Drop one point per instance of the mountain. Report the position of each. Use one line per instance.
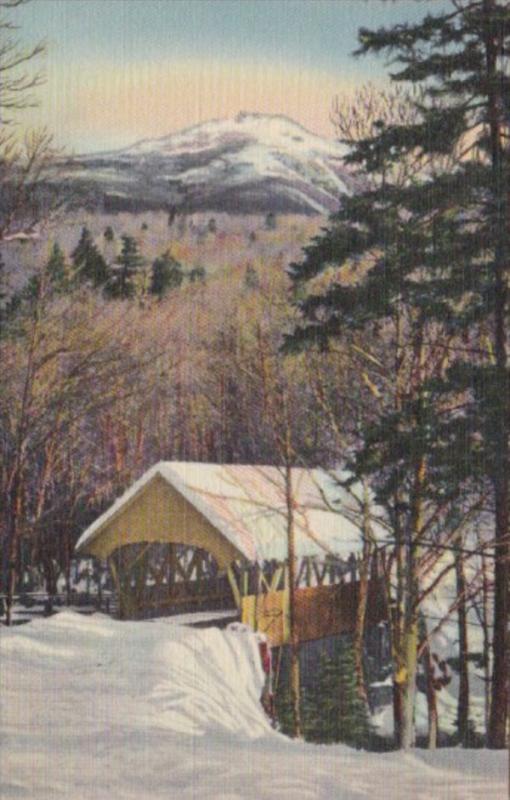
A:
(250, 164)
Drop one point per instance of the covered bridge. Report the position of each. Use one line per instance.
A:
(192, 535)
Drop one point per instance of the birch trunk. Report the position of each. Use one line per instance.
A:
(463, 698)
(295, 680)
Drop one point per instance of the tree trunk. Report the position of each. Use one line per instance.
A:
(364, 577)
(463, 698)
(410, 653)
(295, 680)
(499, 699)
(500, 414)
(486, 641)
(398, 711)
(433, 719)
(67, 564)
(410, 641)
(11, 547)
(397, 635)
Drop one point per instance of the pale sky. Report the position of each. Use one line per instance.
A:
(121, 70)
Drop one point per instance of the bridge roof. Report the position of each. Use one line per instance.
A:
(231, 510)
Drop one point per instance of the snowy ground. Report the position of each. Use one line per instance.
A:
(95, 708)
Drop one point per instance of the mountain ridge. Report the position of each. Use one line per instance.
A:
(251, 163)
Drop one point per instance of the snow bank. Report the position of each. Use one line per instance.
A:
(95, 708)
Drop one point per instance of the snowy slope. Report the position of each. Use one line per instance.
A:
(95, 708)
(252, 163)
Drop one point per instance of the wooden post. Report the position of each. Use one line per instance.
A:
(285, 605)
(116, 583)
(234, 586)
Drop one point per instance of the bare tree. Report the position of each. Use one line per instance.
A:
(19, 75)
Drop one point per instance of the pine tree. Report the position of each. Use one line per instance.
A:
(251, 278)
(58, 270)
(90, 266)
(442, 252)
(4, 294)
(284, 707)
(54, 277)
(270, 221)
(464, 57)
(166, 274)
(388, 313)
(108, 234)
(197, 275)
(122, 282)
(333, 709)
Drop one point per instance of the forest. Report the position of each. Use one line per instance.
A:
(373, 340)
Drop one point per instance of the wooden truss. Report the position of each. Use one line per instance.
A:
(149, 577)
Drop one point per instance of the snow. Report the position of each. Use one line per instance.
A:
(247, 505)
(271, 130)
(251, 151)
(96, 708)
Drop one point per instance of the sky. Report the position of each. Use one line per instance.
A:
(121, 70)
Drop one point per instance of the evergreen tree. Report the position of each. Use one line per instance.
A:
(462, 57)
(90, 266)
(251, 278)
(108, 234)
(166, 274)
(333, 709)
(436, 248)
(57, 269)
(270, 221)
(122, 283)
(197, 275)
(284, 711)
(54, 277)
(4, 294)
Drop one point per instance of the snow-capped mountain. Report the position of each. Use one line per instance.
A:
(252, 163)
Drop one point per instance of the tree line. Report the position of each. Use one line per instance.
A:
(419, 291)
(382, 350)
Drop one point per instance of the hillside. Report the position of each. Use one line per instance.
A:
(254, 163)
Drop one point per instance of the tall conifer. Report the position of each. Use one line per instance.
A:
(435, 247)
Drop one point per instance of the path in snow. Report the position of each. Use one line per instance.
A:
(95, 708)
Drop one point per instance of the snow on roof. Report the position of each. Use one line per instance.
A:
(247, 505)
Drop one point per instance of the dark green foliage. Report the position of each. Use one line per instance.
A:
(166, 274)
(54, 278)
(197, 275)
(122, 282)
(57, 269)
(427, 245)
(4, 302)
(270, 221)
(440, 242)
(332, 708)
(171, 216)
(89, 264)
(251, 278)
(283, 707)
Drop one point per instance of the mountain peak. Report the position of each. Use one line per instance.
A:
(251, 163)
